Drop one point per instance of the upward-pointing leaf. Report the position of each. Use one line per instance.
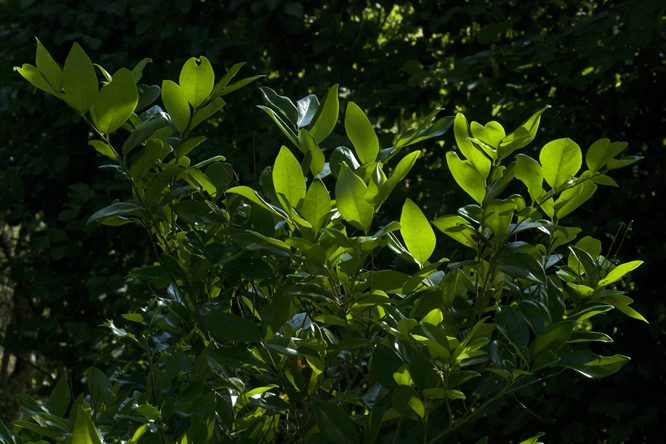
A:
(197, 80)
(176, 105)
(84, 429)
(349, 191)
(79, 80)
(560, 161)
(417, 232)
(467, 176)
(467, 148)
(326, 117)
(49, 69)
(288, 178)
(360, 132)
(317, 203)
(528, 171)
(115, 102)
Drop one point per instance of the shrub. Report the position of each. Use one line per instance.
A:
(287, 313)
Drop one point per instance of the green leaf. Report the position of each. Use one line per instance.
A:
(474, 156)
(115, 102)
(125, 209)
(512, 325)
(79, 80)
(361, 133)
(308, 144)
(197, 80)
(335, 423)
(286, 129)
(573, 198)
(521, 265)
(601, 151)
(252, 195)
(176, 105)
(457, 228)
(231, 327)
(385, 362)
(60, 397)
(99, 386)
(491, 134)
(423, 131)
(560, 161)
(528, 171)
(619, 271)
(36, 78)
(220, 175)
(306, 107)
(407, 402)
(467, 176)
(592, 365)
(84, 429)
(288, 178)
(553, 337)
(204, 113)
(326, 117)
(137, 71)
(49, 69)
(317, 204)
(282, 104)
(145, 130)
(349, 192)
(416, 231)
(522, 136)
(103, 149)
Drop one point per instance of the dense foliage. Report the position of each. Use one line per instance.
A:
(597, 64)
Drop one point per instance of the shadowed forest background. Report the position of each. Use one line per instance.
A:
(601, 65)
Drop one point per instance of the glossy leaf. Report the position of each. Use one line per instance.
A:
(592, 365)
(361, 133)
(425, 131)
(115, 102)
(467, 176)
(326, 117)
(288, 178)
(512, 325)
(79, 80)
(560, 161)
(601, 151)
(475, 158)
(619, 271)
(573, 198)
(528, 171)
(231, 327)
(281, 104)
(349, 192)
(416, 231)
(317, 203)
(176, 105)
(407, 402)
(522, 136)
(84, 429)
(456, 228)
(522, 265)
(197, 80)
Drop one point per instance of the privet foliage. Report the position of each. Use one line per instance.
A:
(276, 317)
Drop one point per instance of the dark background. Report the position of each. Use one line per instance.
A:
(599, 64)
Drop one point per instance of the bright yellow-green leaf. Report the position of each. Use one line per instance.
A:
(326, 116)
(479, 160)
(176, 105)
(115, 102)
(361, 133)
(560, 161)
(197, 80)
(416, 231)
(528, 171)
(79, 80)
(454, 226)
(349, 192)
(619, 271)
(317, 203)
(49, 69)
(84, 429)
(288, 178)
(467, 176)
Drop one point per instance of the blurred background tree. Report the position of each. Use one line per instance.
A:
(599, 64)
